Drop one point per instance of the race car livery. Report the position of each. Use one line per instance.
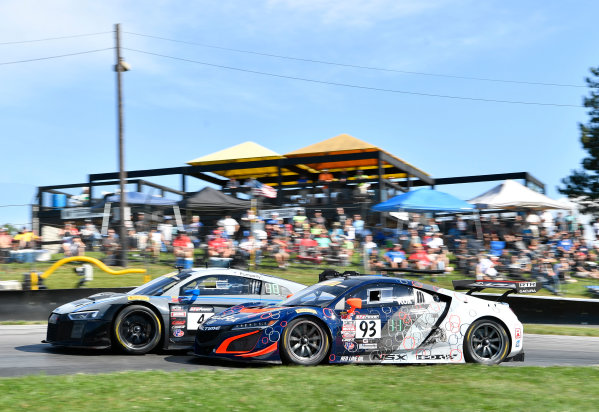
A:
(164, 312)
(369, 319)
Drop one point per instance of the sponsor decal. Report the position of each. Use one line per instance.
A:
(528, 290)
(362, 317)
(395, 325)
(178, 333)
(518, 333)
(356, 358)
(177, 327)
(348, 325)
(518, 343)
(348, 335)
(389, 356)
(350, 345)
(202, 327)
(368, 346)
(527, 284)
(306, 310)
(450, 356)
(178, 322)
(405, 301)
(176, 307)
(138, 297)
(201, 309)
(179, 314)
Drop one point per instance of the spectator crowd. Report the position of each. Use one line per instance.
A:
(532, 245)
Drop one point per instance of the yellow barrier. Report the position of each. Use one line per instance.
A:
(96, 262)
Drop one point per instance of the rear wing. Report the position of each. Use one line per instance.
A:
(330, 273)
(512, 286)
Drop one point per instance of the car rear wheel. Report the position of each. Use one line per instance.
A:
(137, 330)
(305, 342)
(486, 342)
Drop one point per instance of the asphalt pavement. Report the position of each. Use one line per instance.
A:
(22, 353)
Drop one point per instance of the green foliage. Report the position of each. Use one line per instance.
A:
(321, 388)
(584, 184)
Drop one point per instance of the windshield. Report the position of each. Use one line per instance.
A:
(160, 285)
(320, 294)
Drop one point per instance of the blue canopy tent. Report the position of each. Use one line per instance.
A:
(424, 200)
(427, 201)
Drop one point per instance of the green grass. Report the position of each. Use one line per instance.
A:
(562, 330)
(307, 274)
(324, 388)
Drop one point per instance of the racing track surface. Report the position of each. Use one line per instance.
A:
(22, 353)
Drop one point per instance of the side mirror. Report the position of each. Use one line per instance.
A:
(191, 292)
(354, 303)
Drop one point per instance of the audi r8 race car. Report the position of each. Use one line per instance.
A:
(164, 312)
(371, 319)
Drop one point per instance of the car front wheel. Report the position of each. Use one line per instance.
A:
(137, 330)
(305, 342)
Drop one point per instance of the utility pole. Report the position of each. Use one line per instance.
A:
(120, 67)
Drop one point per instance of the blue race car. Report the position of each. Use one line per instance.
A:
(371, 319)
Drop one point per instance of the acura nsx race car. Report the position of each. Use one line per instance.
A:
(371, 319)
(164, 312)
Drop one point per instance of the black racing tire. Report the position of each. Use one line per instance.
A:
(136, 330)
(305, 342)
(486, 342)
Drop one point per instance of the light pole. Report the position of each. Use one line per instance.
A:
(121, 66)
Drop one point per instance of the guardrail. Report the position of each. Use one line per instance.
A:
(36, 305)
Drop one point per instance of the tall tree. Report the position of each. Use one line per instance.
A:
(583, 185)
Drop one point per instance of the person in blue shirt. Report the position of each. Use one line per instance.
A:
(396, 257)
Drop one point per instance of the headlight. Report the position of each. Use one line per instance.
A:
(90, 314)
(53, 318)
(251, 325)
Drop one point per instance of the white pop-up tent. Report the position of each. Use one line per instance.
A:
(513, 195)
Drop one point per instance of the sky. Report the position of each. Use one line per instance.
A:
(58, 116)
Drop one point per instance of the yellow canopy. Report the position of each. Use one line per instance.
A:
(244, 152)
(343, 144)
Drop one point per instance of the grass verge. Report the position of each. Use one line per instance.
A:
(356, 388)
(562, 330)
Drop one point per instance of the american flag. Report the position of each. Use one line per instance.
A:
(260, 189)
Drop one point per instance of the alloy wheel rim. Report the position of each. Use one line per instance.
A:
(305, 340)
(487, 342)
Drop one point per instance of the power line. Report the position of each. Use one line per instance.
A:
(53, 38)
(55, 57)
(355, 86)
(355, 66)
